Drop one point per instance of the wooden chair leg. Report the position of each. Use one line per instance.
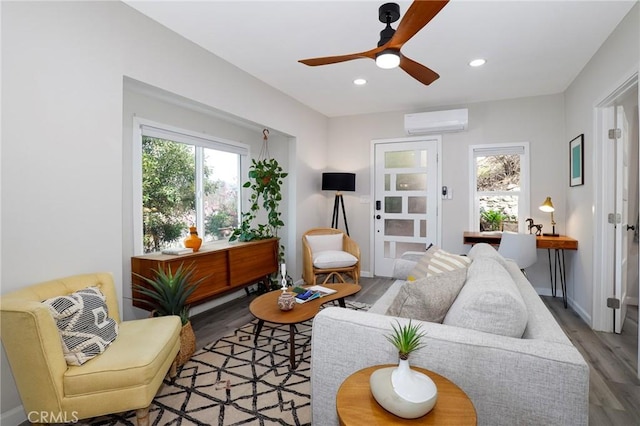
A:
(337, 274)
(173, 370)
(142, 416)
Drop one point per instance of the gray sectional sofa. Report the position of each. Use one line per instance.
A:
(538, 378)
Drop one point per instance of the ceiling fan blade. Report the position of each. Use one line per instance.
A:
(417, 16)
(313, 62)
(418, 71)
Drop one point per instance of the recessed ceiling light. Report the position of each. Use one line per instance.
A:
(477, 62)
(359, 81)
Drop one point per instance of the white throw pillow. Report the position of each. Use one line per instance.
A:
(83, 323)
(436, 261)
(320, 243)
(330, 259)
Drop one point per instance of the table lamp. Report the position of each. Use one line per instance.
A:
(339, 182)
(547, 207)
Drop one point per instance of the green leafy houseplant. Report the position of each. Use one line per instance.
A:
(169, 291)
(406, 338)
(265, 181)
(493, 219)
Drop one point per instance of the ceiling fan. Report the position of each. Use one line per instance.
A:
(387, 55)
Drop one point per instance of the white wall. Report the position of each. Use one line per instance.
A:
(615, 61)
(538, 120)
(63, 65)
(142, 101)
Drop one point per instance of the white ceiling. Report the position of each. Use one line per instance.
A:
(531, 47)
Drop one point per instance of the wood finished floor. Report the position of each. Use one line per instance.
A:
(614, 391)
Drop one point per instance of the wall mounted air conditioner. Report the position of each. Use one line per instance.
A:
(454, 120)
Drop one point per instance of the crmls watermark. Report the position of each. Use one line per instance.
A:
(52, 417)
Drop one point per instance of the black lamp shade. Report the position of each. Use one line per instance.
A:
(338, 181)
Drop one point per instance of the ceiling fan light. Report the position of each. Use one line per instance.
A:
(388, 59)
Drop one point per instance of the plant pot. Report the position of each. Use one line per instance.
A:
(402, 391)
(187, 344)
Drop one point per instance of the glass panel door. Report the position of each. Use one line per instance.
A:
(406, 200)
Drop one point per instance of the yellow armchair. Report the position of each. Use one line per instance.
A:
(330, 252)
(125, 377)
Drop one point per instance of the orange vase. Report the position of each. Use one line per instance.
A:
(193, 241)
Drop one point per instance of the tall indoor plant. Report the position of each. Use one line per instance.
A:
(266, 177)
(167, 293)
(265, 182)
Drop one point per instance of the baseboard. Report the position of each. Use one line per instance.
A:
(15, 416)
(546, 291)
(581, 312)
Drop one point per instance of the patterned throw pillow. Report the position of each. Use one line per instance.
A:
(84, 324)
(437, 261)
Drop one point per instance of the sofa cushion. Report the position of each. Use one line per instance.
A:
(436, 261)
(486, 250)
(329, 259)
(142, 347)
(429, 298)
(489, 301)
(84, 324)
(320, 243)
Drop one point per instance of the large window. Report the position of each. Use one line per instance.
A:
(186, 179)
(499, 187)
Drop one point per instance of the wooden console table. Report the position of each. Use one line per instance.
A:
(226, 266)
(558, 244)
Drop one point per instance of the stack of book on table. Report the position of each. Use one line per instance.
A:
(305, 294)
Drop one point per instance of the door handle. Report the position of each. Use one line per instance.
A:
(631, 228)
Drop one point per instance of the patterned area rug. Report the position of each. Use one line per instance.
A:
(234, 382)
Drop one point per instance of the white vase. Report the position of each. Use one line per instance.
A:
(402, 391)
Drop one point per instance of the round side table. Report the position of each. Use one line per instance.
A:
(356, 406)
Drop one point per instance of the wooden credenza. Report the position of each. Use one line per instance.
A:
(226, 266)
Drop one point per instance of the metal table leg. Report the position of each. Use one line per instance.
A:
(292, 346)
(558, 271)
(553, 281)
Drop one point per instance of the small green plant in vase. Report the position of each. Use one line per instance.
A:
(167, 293)
(400, 390)
(406, 338)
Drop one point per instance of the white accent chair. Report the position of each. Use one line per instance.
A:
(330, 252)
(521, 248)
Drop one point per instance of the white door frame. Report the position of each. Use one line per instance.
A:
(372, 153)
(602, 318)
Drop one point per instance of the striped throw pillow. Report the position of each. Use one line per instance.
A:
(436, 261)
(83, 323)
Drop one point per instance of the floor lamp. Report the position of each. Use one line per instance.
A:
(339, 182)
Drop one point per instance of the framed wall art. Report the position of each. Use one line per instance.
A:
(576, 161)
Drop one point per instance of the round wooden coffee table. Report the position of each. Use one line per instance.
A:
(265, 308)
(356, 406)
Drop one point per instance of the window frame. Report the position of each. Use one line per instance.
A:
(151, 128)
(524, 204)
